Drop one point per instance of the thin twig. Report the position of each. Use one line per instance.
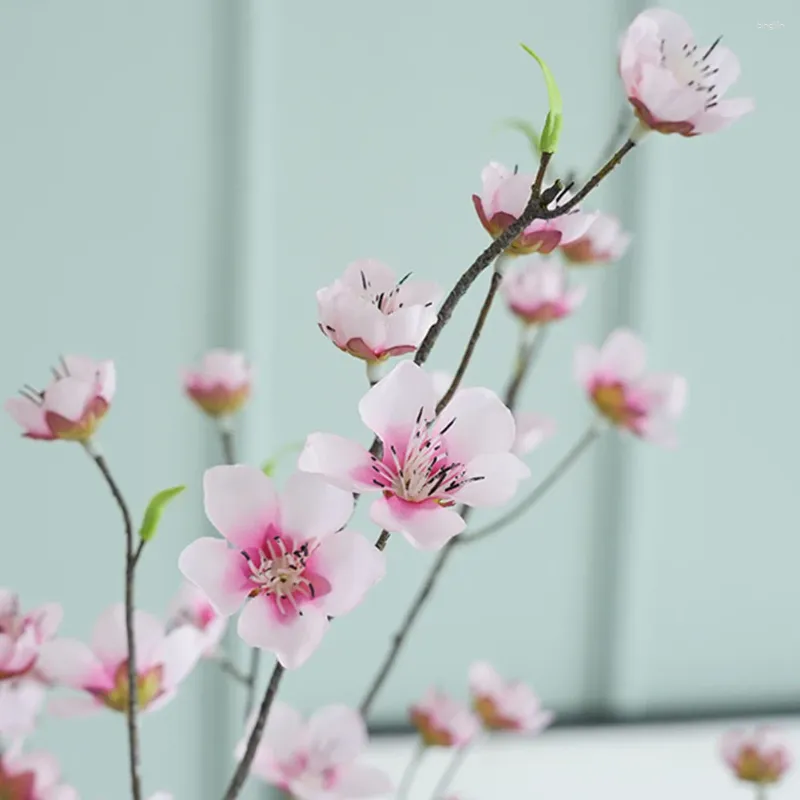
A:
(228, 667)
(526, 357)
(130, 567)
(243, 767)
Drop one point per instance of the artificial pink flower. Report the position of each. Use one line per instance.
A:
(605, 241)
(289, 556)
(22, 635)
(32, 776)
(614, 377)
(190, 606)
(673, 85)
(317, 759)
(757, 757)
(505, 195)
(538, 292)
(222, 384)
(163, 661)
(371, 315)
(443, 721)
(505, 705)
(21, 701)
(428, 464)
(73, 404)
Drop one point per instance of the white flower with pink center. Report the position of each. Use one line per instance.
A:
(289, 557)
(222, 384)
(373, 316)
(163, 660)
(32, 776)
(190, 606)
(605, 241)
(317, 759)
(673, 84)
(538, 292)
(614, 377)
(22, 635)
(429, 464)
(442, 721)
(72, 405)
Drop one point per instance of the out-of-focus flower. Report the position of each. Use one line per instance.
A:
(614, 378)
(462, 457)
(538, 292)
(756, 757)
(443, 721)
(190, 606)
(222, 384)
(532, 430)
(373, 316)
(674, 85)
(21, 701)
(505, 705)
(317, 759)
(163, 661)
(290, 557)
(502, 200)
(605, 241)
(22, 635)
(73, 404)
(32, 776)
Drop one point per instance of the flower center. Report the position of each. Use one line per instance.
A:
(692, 69)
(16, 787)
(148, 687)
(279, 573)
(611, 400)
(386, 302)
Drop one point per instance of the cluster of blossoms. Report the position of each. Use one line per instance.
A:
(285, 559)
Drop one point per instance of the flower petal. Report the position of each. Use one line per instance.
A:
(369, 275)
(178, 654)
(217, 571)
(342, 462)
(426, 526)
(29, 416)
(285, 734)
(74, 706)
(501, 474)
(532, 430)
(71, 663)
(358, 781)
(109, 637)
(336, 735)
(68, 397)
(623, 356)
(312, 508)
(586, 363)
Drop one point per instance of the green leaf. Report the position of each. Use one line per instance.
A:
(552, 124)
(527, 130)
(155, 508)
(269, 467)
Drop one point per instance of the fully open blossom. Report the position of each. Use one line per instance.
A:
(603, 242)
(505, 705)
(21, 701)
(72, 405)
(614, 378)
(22, 635)
(502, 200)
(190, 606)
(538, 292)
(442, 721)
(290, 557)
(222, 384)
(756, 757)
(371, 315)
(101, 671)
(32, 776)
(674, 85)
(428, 465)
(317, 759)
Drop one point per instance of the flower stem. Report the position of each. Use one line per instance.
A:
(456, 762)
(560, 469)
(228, 667)
(527, 353)
(243, 767)
(410, 771)
(130, 567)
(761, 791)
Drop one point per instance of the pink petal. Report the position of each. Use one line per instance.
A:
(43, 765)
(420, 293)
(484, 679)
(292, 639)
(312, 508)
(501, 473)
(217, 571)
(665, 98)
(426, 526)
(344, 463)
(513, 194)
(352, 566)
(71, 663)
(227, 368)
(574, 225)
(408, 326)
(378, 276)
(68, 398)
(60, 793)
(48, 619)
(241, 503)
(482, 425)
(586, 364)
(74, 706)
(532, 430)
(337, 735)
(109, 638)
(623, 356)
(178, 654)
(671, 26)
(285, 735)
(720, 117)
(358, 781)
(29, 416)
(351, 316)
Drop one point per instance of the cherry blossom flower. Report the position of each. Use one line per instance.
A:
(505, 705)
(428, 464)
(190, 606)
(222, 384)
(615, 380)
(443, 721)
(538, 292)
(21, 701)
(674, 85)
(758, 757)
(32, 776)
(502, 201)
(603, 242)
(72, 405)
(371, 315)
(317, 759)
(22, 635)
(101, 671)
(290, 557)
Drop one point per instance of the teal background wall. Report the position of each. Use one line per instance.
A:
(186, 174)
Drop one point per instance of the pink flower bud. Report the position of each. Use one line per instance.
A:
(442, 721)
(603, 242)
(22, 635)
(222, 384)
(538, 293)
(757, 757)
